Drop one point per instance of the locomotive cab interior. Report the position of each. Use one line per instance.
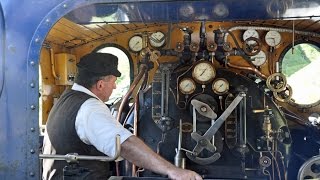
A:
(229, 92)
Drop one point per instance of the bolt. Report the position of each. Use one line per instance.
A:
(32, 63)
(31, 174)
(65, 5)
(37, 40)
(33, 107)
(47, 20)
(203, 109)
(32, 151)
(258, 147)
(32, 129)
(32, 85)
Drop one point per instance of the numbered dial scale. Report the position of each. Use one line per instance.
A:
(135, 43)
(273, 38)
(187, 86)
(203, 72)
(220, 86)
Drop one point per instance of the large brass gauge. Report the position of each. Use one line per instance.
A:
(273, 38)
(187, 86)
(203, 72)
(157, 39)
(136, 43)
(220, 86)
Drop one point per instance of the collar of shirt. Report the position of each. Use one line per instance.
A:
(78, 87)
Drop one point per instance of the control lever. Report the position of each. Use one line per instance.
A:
(73, 157)
(203, 142)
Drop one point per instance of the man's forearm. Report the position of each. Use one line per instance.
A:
(135, 151)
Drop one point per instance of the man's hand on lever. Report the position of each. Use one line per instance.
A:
(138, 153)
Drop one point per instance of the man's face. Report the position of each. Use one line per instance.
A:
(108, 84)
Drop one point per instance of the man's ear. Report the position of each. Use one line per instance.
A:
(99, 84)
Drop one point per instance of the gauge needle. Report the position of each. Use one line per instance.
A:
(136, 44)
(203, 72)
(186, 85)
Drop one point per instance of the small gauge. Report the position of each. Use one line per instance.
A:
(203, 72)
(273, 38)
(250, 33)
(220, 86)
(157, 39)
(135, 43)
(259, 59)
(187, 86)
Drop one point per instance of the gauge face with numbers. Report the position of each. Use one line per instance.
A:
(203, 72)
(259, 59)
(187, 86)
(273, 38)
(135, 43)
(220, 86)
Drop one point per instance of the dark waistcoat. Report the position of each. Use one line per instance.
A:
(63, 136)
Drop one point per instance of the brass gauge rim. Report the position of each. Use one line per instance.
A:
(183, 90)
(195, 74)
(220, 92)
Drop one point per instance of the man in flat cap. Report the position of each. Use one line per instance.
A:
(81, 123)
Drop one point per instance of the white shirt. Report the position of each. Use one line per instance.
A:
(94, 125)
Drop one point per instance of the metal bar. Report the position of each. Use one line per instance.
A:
(75, 157)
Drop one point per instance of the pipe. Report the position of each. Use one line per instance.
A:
(252, 69)
(52, 64)
(143, 70)
(75, 157)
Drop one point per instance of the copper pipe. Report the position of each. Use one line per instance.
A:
(252, 69)
(125, 99)
(52, 64)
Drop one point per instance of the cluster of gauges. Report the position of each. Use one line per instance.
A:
(156, 40)
(272, 39)
(203, 72)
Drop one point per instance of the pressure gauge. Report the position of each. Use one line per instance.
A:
(135, 43)
(220, 86)
(203, 72)
(187, 86)
(157, 39)
(250, 33)
(259, 59)
(273, 38)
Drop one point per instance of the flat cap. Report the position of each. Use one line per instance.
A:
(100, 64)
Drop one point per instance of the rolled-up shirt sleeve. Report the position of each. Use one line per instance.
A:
(96, 126)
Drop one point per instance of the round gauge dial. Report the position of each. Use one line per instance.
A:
(259, 59)
(157, 39)
(273, 38)
(250, 33)
(220, 86)
(203, 72)
(135, 43)
(187, 86)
